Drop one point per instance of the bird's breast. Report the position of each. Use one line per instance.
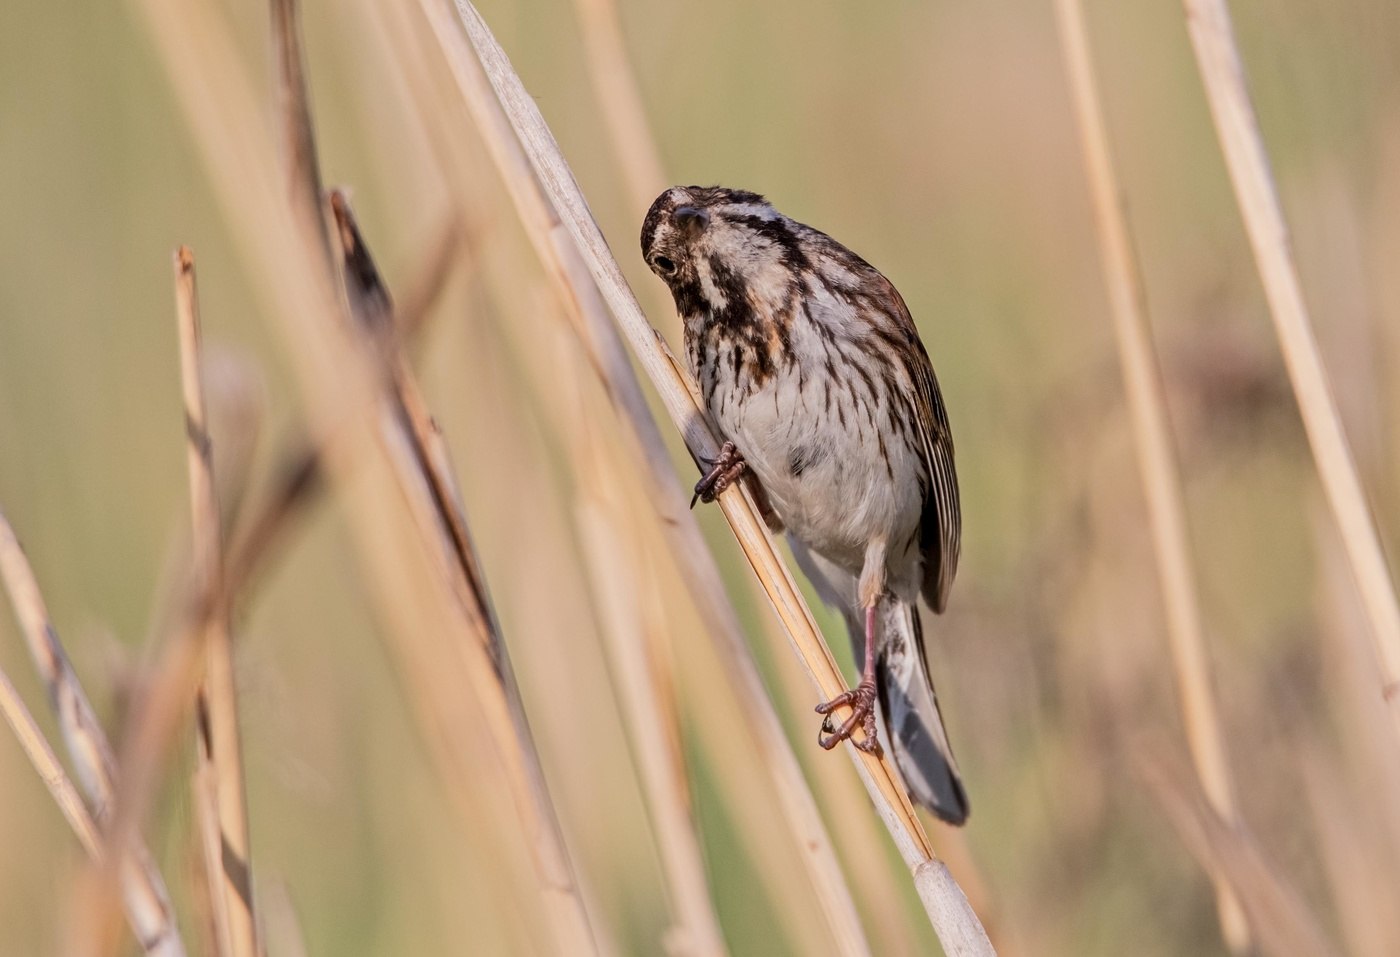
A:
(815, 443)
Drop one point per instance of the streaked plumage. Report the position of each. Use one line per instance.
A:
(810, 364)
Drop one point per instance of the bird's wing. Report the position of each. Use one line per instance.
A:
(940, 528)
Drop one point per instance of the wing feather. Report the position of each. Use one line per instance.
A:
(940, 527)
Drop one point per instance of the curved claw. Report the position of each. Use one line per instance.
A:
(861, 701)
(719, 474)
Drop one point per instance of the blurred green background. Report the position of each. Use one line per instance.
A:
(935, 139)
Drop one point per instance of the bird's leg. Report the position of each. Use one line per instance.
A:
(722, 473)
(860, 699)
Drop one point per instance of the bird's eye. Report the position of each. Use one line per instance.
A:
(664, 265)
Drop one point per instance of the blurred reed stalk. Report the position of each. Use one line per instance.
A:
(627, 600)
(372, 305)
(1277, 913)
(299, 472)
(1354, 789)
(615, 87)
(46, 763)
(284, 932)
(343, 386)
(443, 519)
(218, 750)
(563, 206)
(587, 313)
(1158, 469)
(144, 896)
(1222, 72)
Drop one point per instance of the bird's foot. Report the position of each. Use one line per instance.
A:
(861, 701)
(721, 474)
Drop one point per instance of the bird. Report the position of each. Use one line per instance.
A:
(809, 363)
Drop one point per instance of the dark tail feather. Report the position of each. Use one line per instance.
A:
(913, 725)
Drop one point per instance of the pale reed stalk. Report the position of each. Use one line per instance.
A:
(620, 99)
(1157, 466)
(429, 464)
(645, 684)
(627, 602)
(342, 383)
(144, 896)
(1277, 913)
(46, 763)
(1222, 72)
(218, 775)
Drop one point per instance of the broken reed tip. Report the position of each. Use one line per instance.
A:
(344, 221)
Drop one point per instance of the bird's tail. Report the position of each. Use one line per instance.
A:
(910, 722)
(913, 723)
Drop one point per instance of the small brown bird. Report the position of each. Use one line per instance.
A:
(809, 362)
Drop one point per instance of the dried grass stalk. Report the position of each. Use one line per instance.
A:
(343, 385)
(614, 83)
(36, 748)
(1278, 915)
(627, 600)
(1222, 72)
(1157, 464)
(647, 690)
(565, 229)
(143, 890)
(218, 751)
(495, 684)
(298, 476)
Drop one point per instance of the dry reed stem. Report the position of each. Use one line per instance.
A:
(648, 697)
(82, 733)
(213, 902)
(206, 78)
(216, 97)
(146, 900)
(500, 696)
(343, 387)
(1357, 824)
(299, 473)
(1359, 886)
(218, 750)
(719, 713)
(1278, 915)
(298, 139)
(627, 600)
(46, 763)
(1222, 72)
(1157, 464)
(620, 99)
(439, 519)
(588, 316)
(284, 932)
(561, 214)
